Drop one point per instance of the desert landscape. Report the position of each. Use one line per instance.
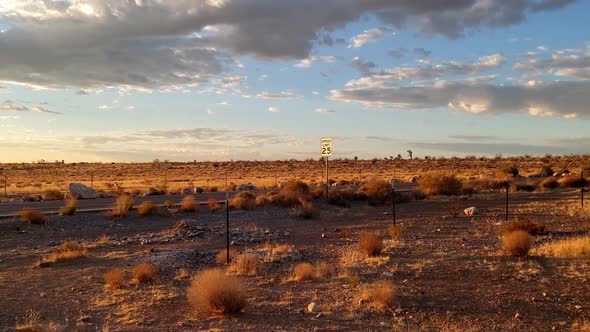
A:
(299, 262)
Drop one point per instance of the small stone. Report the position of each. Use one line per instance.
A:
(313, 308)
(42, 295)
(324, 236)
(517, 316)
(544, 294)
(361, 301)
(84, 319)
(388, 274)
(385, 213)
(320, 315)
(471, 211)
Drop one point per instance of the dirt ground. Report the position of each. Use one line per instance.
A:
(35, 178)
(448, 270)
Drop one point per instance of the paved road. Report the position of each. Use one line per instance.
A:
(101, 203)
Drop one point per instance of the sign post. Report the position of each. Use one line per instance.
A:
(583, 182)
(227, 257)
(326, 152)
(393, 200)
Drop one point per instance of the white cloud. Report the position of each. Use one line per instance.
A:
(274, 109)
(368, 36)
(11, 106)
(211, 112)
(324, 110)
(308, 62)
(280, 95)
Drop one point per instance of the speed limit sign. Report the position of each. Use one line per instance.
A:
(326, 146)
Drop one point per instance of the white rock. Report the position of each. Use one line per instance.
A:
(471, 211)
(313, 307)
(82, 191)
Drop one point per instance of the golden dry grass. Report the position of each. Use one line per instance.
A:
(379, 294)
(211, 291)
(188, 204)
(516, 243)
(303, 271)
(213, 205)
(523, 224)
(143, 272)
(578, 247)
(370, 244)
(182, 274)
(70, 207)
(115, 278)
(123, 204)
(440, 184)
(68, 251)
(395, 232)
(31, 216)
(245, 264)
(221, 257)
(146, 208)
(243, 201)
(376, 191)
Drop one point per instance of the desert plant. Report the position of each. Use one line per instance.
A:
(573, 181)
(222, 256)
(321, 270)
(243, 201)
(304, 211)
(550, 183)
(516, 243)
(188, 204)
(394, 232)
(122, 205)
(245, 264)
(379, 294)
(510, 170)
(70, 207)
(296, 191)
(547, 170)
(523, 224)
(115, 278)
(68, 250)
(213, 205)
(376, 191)
(146, 208)
(169, 204)
(440, 184)
(578, 247)
(31, 216)
(303, 271)
(211, 291)
(52, 194)
(143, 272)
(370, 244)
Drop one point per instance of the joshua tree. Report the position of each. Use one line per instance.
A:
(410, 153)
(399, 156)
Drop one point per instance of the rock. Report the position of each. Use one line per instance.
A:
(517, 316)
(324, 236)
(320, 315)
(313, 307)
(388, 274)
(199, 190)
(187, 191)
(471, 211)
(84, 319)
(82, 191)
(361, 301)
(412, 179)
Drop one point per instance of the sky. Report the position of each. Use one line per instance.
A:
(183, 80)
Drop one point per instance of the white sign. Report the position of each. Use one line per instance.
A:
(326, 146)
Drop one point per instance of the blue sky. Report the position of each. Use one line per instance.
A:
(256, 79)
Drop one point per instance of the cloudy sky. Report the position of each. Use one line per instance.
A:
(135, 80)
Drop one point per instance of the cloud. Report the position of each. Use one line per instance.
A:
(324, 110)
(474, 137)
(179, 45)
(420, 51)
(211, 112)
(280, 95)
(11, 106)
(274, 109)
(430, 71)
(368, 36)
(568, 99)
(364, 67)
(398, 53)
(493, 148)
(308, 62)
(572, 63)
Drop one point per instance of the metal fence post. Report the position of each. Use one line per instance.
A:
(507, 188)
(583, 182)
(5, 183)
(227, 227)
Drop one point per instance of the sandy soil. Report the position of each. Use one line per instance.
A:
(448, 270)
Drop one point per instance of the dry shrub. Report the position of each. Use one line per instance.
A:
(143, 272)
(523, 224)
(573, 181)
(52, 194)
(68, 251)
(578, 247)
(322, 270)
(211, 291)
(440, 184)
(317, 193)
(188, 204)
(213, 205)
(245, 264)
(340, 197)
(394, 232)
(222, 256)
(146, 208)
(243, 201)
(232, 186)
(213, 189)
(182, 274)
(370, 244)
(379, 294)
(122, 205)
(549, 183)
(161, 211)
(303, 271)
(376, 191)
(31, 216)
(517, 243)
(115, 278)
(296, 190)
(169, 204)
(261, 200)
(304, 211)
(70, 208)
